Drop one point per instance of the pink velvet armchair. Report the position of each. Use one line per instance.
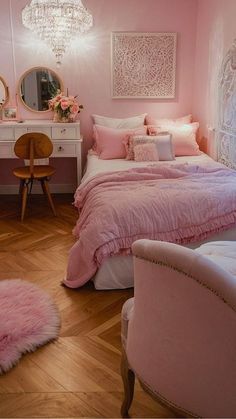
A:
(179, 331)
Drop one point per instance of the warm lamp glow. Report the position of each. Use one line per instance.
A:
(57, 22)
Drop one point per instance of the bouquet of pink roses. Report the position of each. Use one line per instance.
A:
(65, 107)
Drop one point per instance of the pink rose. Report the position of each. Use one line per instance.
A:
(64, 104)
(75, 108)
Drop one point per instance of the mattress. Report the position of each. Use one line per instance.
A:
(116, 272)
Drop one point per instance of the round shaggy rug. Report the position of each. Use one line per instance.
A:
(28, 319)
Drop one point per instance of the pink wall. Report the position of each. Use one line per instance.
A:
(216, 30)
(86, 68)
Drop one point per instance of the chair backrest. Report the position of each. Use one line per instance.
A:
(33, 145)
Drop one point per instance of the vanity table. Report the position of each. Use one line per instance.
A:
(65, 137)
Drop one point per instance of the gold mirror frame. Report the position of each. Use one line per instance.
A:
(28, 72)
(6, 91)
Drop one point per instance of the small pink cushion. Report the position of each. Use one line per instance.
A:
(187, 119)
(110, 141)
(146, 152)
(183, 136)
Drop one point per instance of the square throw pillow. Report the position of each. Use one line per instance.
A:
(187, 119)
(121, 123)
(110, 141)
(162, 141)
(184, 137)
(146, 152)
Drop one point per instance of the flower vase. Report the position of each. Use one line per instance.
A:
(59, 117)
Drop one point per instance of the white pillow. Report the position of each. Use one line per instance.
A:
(165, 146)
(133, 122)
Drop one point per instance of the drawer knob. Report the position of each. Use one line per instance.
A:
(60, 148)
(63, 130)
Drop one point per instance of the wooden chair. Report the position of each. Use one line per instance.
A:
(32, 146)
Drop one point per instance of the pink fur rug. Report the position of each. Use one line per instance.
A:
(28, 319)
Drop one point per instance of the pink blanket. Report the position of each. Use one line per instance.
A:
(179, 204)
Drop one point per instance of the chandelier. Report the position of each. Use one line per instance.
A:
(57, 22)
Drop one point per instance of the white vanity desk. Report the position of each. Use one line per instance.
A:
(65, 138)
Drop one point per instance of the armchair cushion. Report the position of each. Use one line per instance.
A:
(223, 253)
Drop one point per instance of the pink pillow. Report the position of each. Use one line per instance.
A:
(146, 152)
(183, 136)
(187, 119)
(110, 141)
(162, 141)
(152, 130)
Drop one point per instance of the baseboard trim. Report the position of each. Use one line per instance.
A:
(54, 188)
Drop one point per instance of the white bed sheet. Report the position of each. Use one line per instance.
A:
(96, 165)
(116, 272)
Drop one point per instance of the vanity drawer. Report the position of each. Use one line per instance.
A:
(23, 130)
(7, 133)
(64, 150)
(64, 133)
(7, 149)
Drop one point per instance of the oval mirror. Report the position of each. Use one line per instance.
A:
(37, 86)
(3, 92)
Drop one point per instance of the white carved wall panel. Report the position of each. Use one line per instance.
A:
(227, 121)
(143, 65)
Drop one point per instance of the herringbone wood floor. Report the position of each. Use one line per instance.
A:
(77, 376)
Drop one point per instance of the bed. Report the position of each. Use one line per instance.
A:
(114, 270)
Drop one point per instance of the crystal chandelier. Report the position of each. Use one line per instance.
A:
(57, 22)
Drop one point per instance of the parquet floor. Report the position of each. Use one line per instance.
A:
(78, 375)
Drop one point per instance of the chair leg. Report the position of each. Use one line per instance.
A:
(22, 182)
(128, 378)
(24, 201)
(31, 185)
(45, 188)
(42, 186)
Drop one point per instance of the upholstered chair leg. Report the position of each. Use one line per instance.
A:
(46, 190)
(128, 378)
(24, 201)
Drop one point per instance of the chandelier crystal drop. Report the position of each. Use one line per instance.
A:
(57, 22)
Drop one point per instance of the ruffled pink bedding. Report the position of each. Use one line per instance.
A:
(179, 204)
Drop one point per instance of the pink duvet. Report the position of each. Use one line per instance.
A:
(180, 204)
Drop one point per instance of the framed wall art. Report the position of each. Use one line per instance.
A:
(9, 113)
(143, 65)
